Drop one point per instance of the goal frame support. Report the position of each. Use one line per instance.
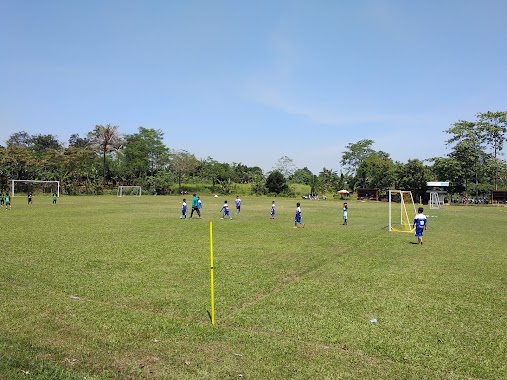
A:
(119, 193)
(13, 182)
(405, 218)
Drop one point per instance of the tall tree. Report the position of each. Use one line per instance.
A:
(492, 127)
(285, 165)
(467, 150)
(183, 163)
(105, 139)
(375, 171)
(355, 154)
(145, 153)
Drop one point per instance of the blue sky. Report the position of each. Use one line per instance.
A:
(252, 81)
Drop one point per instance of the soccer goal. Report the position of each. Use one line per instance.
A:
(129, 191)
(435, 201)
(21, 187)
(401, 211)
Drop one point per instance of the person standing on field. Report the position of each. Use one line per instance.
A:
(297, 218)
(225, 210)
(195, 206)
(54, 198)
(272, 212)
(238, 204)
(184, 209)
(420, 223)
(345, 213)
(30, 198)
(8, 201)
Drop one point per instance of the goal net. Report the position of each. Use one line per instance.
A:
(129, 191)
(435, 201)
(22, 187)
(401, 211)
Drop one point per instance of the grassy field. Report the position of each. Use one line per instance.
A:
(118, 288)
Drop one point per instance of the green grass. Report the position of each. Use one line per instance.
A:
(118, 288)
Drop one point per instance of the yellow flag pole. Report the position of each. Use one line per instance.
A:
(212, 280)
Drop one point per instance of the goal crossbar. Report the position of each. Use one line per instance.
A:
(129, 190)
(14, 181)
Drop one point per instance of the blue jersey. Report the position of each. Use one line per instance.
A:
(297, 218)
(272, 210)
(238, 202)
(420, 221)
(184, 208)
(225, 209)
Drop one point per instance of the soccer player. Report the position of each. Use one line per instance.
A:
(29, 198)
(195, 206)
(345, 211)
(184, 209)
(54, 198)
(420, 223)
(8, 201)
(225, 210)
(238, 204)
(199, 204)
(272, 212)
(297, 218)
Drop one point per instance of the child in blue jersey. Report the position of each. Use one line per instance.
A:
(420, 223)
(225, 210)
(297, 218)
(272, 212)
(238, 204)
(184, 209)
(345, 213)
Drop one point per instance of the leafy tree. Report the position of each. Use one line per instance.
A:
(183, 163)
(105, 139)
(301, 176)
(285, 165)
(413, 175)
(492, 127)
(215, 171)
(328, 180)
(276, 183)
(468, 151)
(145, 153)
(78, 142)
(355, 154)
(20, 139)
(375, 171)
(41, 144)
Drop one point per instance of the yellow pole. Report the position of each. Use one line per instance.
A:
(212, 282)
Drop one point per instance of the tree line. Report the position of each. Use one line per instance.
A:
(104, 158)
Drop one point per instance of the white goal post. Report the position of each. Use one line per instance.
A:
(435, 201)
(402, 206)
(124, 191)
(54, 185)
